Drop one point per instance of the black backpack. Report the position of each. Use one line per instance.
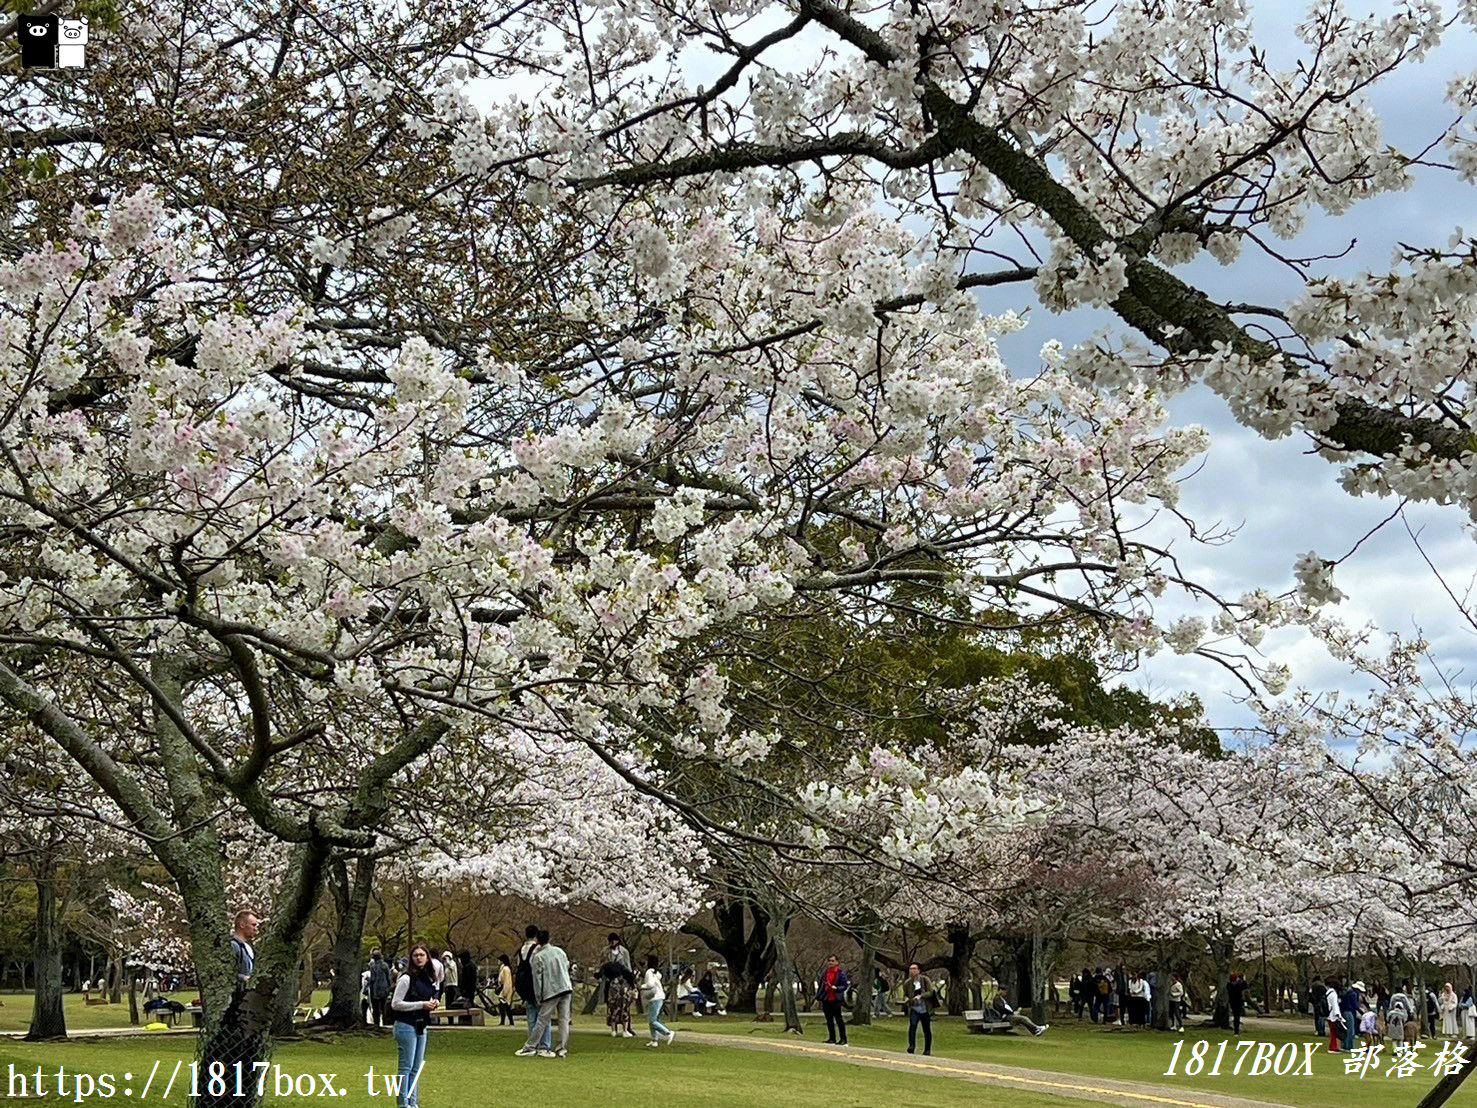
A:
(523, 981)
(379, 979)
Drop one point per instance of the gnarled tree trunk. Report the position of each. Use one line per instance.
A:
(749, 955)
(351, 901)
(784, 972)
(961, 953)
(48, 1020)
(1221, 952)
(861, 1009)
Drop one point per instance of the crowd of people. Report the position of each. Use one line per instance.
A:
(1376, 1015)
(1119, 996)
(409, 993)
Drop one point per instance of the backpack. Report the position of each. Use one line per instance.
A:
(379, 979)
(523, 981)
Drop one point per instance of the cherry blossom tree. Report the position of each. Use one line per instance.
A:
(479, 425)
(1225, 850)
(308, 548)
(1084, 150)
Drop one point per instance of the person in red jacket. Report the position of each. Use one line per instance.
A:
(834, 984)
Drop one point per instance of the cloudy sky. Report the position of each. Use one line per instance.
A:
(1281, 500)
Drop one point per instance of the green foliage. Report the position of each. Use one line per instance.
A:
(918, 681)
(17, 914)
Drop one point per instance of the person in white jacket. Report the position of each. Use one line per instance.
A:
(1446, 1004)
(653, 996)
(1139, 995)
(1335, 1017)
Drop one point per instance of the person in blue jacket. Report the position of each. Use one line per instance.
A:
(833, 986)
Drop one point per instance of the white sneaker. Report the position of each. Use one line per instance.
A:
(525, 1051)
(628, 1034)
(1041, 1030)
(562, 1052)
(547, 1054)
(614, 1031)
(696, 1014)
(651, 1043)
(670, 1036)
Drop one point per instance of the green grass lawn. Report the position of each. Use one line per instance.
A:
(474, 1070)
(15, 1010)
(1087, 1049)
(467, 1068)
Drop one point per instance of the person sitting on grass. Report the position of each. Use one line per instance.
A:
(1004, 1012)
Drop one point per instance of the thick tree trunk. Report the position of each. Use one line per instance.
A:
(961, 954)
(1222, 953)
(243, 1032)
(785, 975)
(749, 955)
(115, 976)
(1159, 1001)
(132, 997)
(48, 1020)
(1023, 994)
(1446, 1088)
(861, 1010)
(351, 899)
(1042, 953)
(283, 1024)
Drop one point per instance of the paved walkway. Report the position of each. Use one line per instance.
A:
(1100, 1090)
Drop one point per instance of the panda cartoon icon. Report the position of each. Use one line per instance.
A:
(39, 37)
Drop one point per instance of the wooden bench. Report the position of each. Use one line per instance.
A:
(979, 1024)
(472, 1017)
(681, 1007)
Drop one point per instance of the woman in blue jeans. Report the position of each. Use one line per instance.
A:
(653, 996)
(921, 999)
(416, 996)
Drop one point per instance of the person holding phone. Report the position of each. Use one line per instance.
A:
(416, 997)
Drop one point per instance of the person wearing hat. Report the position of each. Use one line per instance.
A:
(1350, 1004)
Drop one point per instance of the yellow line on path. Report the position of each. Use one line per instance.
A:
(935, 1067)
